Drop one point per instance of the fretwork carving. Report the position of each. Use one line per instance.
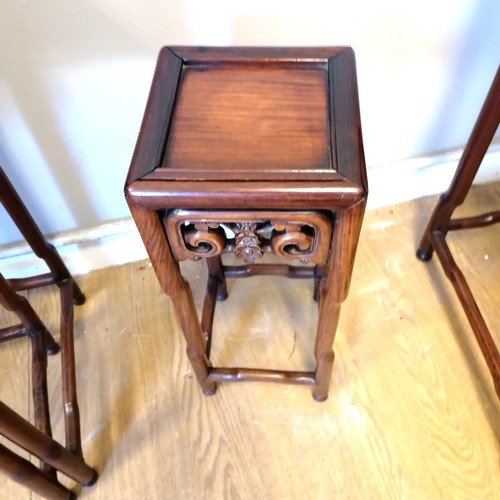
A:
(207, 234)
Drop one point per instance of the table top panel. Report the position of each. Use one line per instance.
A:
(251, 116)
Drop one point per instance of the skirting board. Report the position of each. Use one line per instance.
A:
(118, 243)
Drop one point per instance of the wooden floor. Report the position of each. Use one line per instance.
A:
(412, 412)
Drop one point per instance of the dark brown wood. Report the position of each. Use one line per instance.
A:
(19, 431)
(27, 315)
(346, 230)
(153, 235)
(184, 174)
(216, 269)
(254, 55)
(195, 234)
(328, 318)
(28, 228)
(441, 222)
(260, 375)
(12, 332)
(154, 130)
(185, 310)
(25, 473)
(333, 289)
(477, 145)
(42, 342)
(69, 397)
(213, 127)
(477, 221)
(476, 320)
(263, 153)
(39, 389)
(345, 118)
(207, 315)
(28, 283)
(159, 195)
(298, 272)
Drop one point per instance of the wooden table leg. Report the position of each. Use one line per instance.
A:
(25, 223)
(68, 380)
(475, 149)
(173, 284)
(40, 392)
(333, 290)
(471, 309)
(216, 269)
(328, 318)
(21, 432)
(23, 310)
(42, 342)
(26, 474)
(434, 237)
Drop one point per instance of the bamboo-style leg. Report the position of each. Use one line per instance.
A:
(207, 315)
(328, 318)
(70, 401)
(333, 290)
(216, 268)
(173, 284)
(40, 392)
(317, 281)
(475, 149)
(434, 237)
(185, 309)
(21, 432)
(29, 318)
(25, 223)
(216, 288)
(476, 320)
(26, 474)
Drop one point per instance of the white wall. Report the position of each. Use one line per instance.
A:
(75, 74)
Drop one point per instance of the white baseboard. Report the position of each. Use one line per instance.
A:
(424, 176)
(107, 245)
(118, 243)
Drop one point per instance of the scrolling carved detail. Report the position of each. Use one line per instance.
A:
(248, 240)
(196, 235)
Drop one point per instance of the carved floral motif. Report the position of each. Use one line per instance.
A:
(248, 240)
(247, 244)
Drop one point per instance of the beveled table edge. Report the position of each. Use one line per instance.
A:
(253, 54)
(318, 195)
(344, 113)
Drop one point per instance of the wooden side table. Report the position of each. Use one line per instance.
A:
(37, 439)
(249, 151)
(434, 237)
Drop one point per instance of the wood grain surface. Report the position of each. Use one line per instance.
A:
(250, 117)
(412, 412)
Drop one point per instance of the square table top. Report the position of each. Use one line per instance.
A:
(251, 117)
(243, 114)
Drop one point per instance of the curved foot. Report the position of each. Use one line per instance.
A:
(92, 480)
(53, 349)
(79, 299)
(320, 398)
(211, 391)
(222, 291)
(424, 256)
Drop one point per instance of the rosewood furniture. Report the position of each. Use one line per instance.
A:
(434, 238)
(251, 151)
(41, 445)
(42, 342)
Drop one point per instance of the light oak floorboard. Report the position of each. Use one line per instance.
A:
(412, 412)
